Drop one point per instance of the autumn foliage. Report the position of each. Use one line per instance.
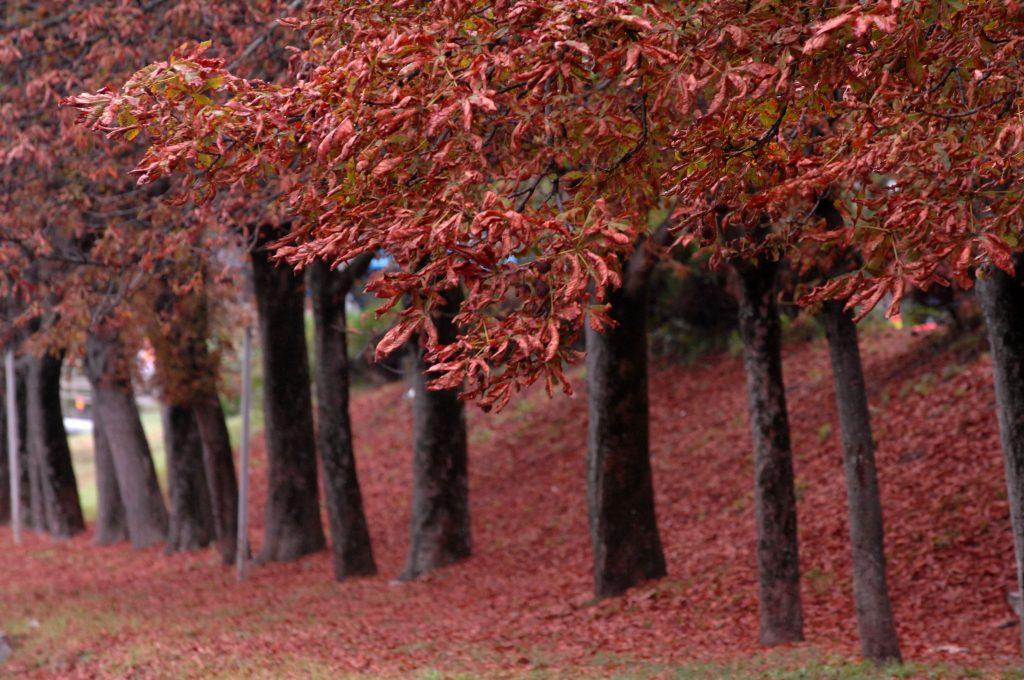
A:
(521, 147)
(513, 172)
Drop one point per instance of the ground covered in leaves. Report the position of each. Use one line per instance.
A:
(522, 606)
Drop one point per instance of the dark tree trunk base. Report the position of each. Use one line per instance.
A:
(774, 492)
(350, 537)
(48, 447)
(875, 623)
(219, 463)
(114, 400)
(293, 527)
(5, 472)
(1002, 302)
(24, 462)
(440, 529)
(620, 490)
(191, 512)
(186, 373)
(111, 521)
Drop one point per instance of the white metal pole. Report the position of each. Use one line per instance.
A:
(242, 557)
(14, 466)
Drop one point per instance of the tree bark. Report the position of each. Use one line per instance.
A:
(293, 527)
(48, 448)
(5, 470)
(875, 624)
(114, 400)
(1001, 298)
(219, 463)
(111, 518)
(620, 490)
(774, 494)
(350, 538)
(191, 512)
(187, 375)
(36, 516)
(440, 528)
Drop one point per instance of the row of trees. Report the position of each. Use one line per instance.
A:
(95, 270)
(524, 166)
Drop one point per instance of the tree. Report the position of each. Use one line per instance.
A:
(1001, 296)
(431, 131)
(620, 490)
(350, 537)
(774, 490)
(111, 519)
(220, 470)
(5, 472)
(48, 448)
(190, 524)
(186, 374)
(439, 533)
(293, 527)
(875, 623)
(121, 430)
(878, 639)
(68, 214)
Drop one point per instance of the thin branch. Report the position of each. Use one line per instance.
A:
(769, 134)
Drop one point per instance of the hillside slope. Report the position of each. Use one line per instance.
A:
(522, 603)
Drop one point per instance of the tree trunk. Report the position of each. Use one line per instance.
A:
(187, 375)
(36, 516)
(111, 520)
(774, 494)
(1001, 297)
(293, 527)
(48, 448)
(350, 537)
(114, 400)
(191, 512)
(5, 469)
(440, 529)
(219, 465)
(620, 491)
(878, 639)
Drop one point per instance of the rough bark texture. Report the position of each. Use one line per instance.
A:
(111, 519)
(5, 470)
(774, 494)
(350, 538)
(114, 400)
(191, 512)
(620, 491)
(48, 448)
(440, 529)
(32, 515)
(1002, 302)
(219, 463)
(875, 624)
(35, 518)
(293, 527)
(186, 373)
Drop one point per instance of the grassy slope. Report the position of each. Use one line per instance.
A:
(521, 606)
